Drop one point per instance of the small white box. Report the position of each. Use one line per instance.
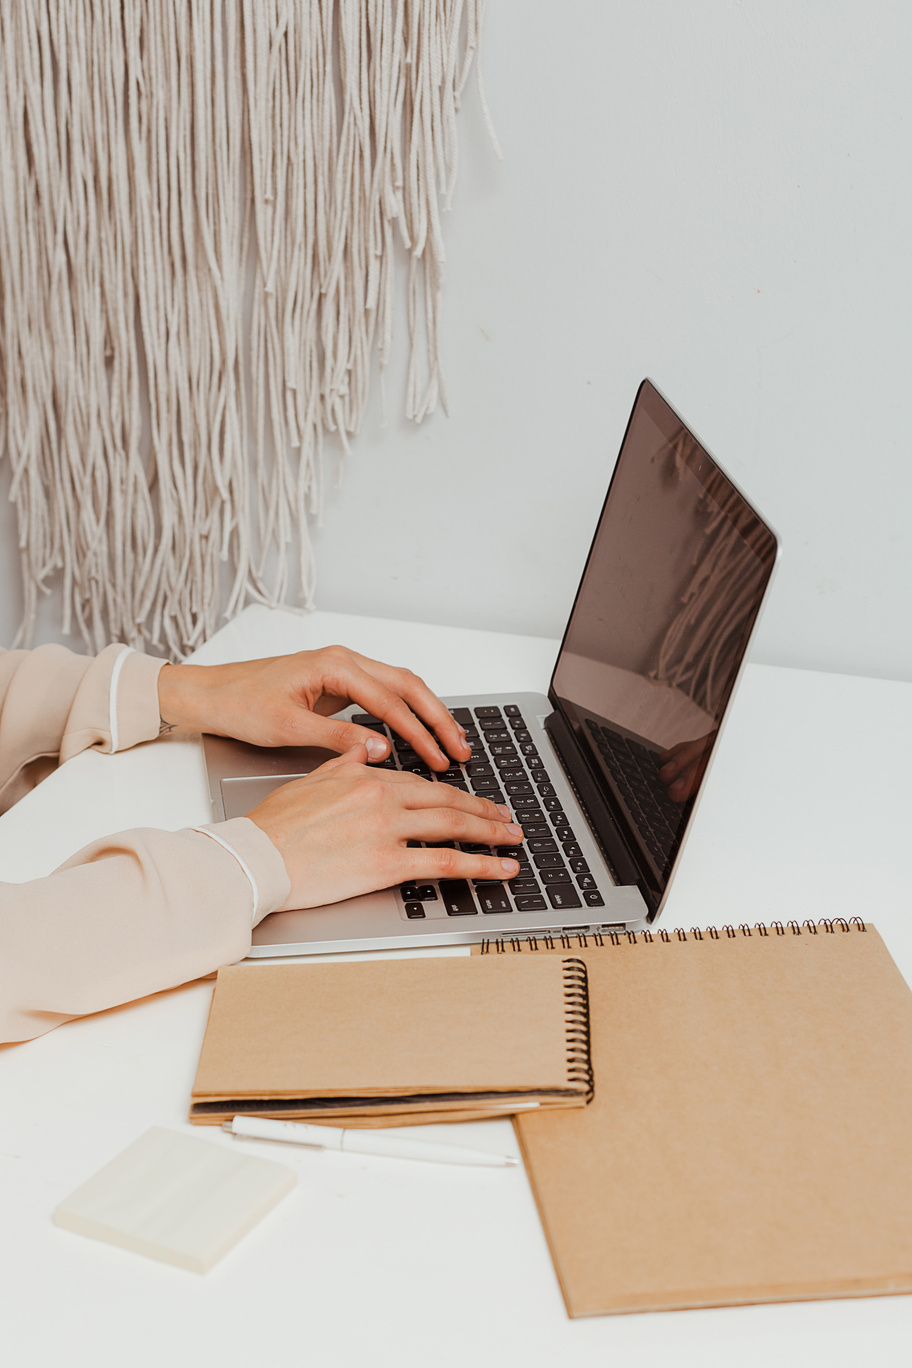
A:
(176, 1198)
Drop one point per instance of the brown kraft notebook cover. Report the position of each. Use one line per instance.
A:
(750, 1139)
(389, 1042)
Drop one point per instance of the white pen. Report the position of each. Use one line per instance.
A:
(362, 1142)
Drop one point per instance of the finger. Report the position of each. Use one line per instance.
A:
(436, 825)
(433, 863)
(430, 794)
(356, 754)
(335, 733)
(426, 706)
(401, 699)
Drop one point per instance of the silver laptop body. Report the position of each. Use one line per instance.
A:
(670, 595)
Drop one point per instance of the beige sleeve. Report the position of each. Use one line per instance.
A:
(54, 704)
(130, 915)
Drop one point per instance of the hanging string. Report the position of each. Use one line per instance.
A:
(200, 204)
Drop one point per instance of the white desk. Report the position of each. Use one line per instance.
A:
(807, 814)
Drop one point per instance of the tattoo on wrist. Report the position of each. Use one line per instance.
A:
(166, 727)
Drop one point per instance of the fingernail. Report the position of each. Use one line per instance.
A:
(376, 747)
(513, 829)
(442, 758)
(503, 810)
(509, 865)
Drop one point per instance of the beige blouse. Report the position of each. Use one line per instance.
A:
(132, 913)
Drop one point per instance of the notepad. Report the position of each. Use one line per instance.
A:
(392, 1042)
(176, 1198)
(750, 1139)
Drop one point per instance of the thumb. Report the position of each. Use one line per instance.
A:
(335, 733)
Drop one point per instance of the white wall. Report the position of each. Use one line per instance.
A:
(712, 193)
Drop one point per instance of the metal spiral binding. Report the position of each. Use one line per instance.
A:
(570, 940)
(579, 1041)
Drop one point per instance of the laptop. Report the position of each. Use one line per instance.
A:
(605, 773)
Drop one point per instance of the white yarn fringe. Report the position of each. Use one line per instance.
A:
(162, 417)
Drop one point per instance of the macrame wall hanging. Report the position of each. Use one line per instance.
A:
(200, 202)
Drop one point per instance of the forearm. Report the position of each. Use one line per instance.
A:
(54, 704)
(131, 915)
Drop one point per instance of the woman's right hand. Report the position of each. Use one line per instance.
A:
(345, 828)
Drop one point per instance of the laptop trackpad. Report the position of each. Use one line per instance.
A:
(240, 795)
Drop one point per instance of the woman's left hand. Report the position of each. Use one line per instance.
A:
(288, 701)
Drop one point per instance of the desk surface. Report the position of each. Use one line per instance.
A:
(807, 813)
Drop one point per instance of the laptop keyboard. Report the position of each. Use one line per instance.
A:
(506, 768)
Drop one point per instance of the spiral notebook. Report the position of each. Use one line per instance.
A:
(395, 1042)
(750, 1139)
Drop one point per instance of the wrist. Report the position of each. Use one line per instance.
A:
(181, 691)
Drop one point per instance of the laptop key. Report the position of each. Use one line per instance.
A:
(546, 790)
(494, 902)
(463, 716)
(414, 911)
(552, 805)
(457, 898)
(563, 897)
(594, 898)
(536, 829)
(531, 817)
(585, 881)
(542, 845)
(478, 767)
(554, 876)
(485, 781)
(578, 865)
(511, 709)
(548, 860)
(571, 847)
(519, 786)
(523, 886)
(531, 902)
(426, 893)
(487, 712)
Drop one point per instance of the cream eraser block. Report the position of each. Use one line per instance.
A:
(176, 1198)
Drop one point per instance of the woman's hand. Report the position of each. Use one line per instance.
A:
(287, 701)
(345, 828)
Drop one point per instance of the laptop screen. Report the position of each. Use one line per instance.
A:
(670, 593)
